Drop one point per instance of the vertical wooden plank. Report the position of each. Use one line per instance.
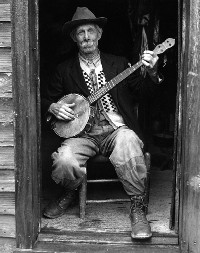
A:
(177, 136)
(180, 93)
(25, 63)
(36, 112)
(182, 108)
(190, 184)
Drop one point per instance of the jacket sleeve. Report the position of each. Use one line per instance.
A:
(138, 85)
(134, 82)
(54, 91)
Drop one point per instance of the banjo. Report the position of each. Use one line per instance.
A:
(84, 112)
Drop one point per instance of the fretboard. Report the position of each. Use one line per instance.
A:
(112, 83)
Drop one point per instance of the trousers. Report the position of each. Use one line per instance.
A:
(122, 146)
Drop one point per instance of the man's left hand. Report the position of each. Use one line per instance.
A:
(149, 59)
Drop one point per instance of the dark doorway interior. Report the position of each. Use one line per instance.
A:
(156, 114)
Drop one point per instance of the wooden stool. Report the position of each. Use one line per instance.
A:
(83, 188)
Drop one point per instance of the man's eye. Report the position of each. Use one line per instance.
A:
(91, 31)
(80, 33)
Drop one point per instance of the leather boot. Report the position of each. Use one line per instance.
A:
(139, 223)
(58, 207)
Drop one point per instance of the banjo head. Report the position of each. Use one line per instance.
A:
(67, 129)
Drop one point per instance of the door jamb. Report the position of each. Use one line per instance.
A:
(26, 102)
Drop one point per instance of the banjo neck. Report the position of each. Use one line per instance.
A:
(120, 77)
(113, 82)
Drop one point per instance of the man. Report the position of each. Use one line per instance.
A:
(115, 132)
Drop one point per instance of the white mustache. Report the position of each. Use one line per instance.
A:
(87, 43)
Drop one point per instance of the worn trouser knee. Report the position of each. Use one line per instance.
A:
(67, 169)
(128, 160)
(69, 162)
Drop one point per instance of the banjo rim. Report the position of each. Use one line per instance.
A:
(81, 128)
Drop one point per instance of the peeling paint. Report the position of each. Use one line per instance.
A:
(195, 183)
(5, 85)
(192, 73)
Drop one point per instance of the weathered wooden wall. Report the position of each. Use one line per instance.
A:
(7, 182)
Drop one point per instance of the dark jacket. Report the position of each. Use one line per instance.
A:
(69, 79)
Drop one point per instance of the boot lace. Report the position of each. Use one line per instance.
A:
(137, 208)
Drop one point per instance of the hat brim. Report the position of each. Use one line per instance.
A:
(68, 27)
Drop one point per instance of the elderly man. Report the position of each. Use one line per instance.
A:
(115, 132)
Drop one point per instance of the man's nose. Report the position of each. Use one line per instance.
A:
(86, 35)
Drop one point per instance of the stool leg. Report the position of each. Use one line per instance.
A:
(147, 158)
(83, 197)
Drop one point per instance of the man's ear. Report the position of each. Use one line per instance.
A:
(73, 36)
(74, 39)
(100, 31)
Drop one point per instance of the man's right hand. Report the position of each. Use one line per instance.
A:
(62, 111)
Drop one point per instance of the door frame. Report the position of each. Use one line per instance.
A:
(189, 120)
(27, 123)
(26, 99)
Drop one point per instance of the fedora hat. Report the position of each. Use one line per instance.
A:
(82, 16)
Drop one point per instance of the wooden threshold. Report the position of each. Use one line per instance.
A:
(102, 242)
(52, 240)
(117, 238)
(69, 248)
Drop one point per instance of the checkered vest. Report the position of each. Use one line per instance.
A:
(95, 82)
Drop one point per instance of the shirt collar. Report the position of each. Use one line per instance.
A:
(90, 63)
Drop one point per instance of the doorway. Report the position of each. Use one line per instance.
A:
(156, 115)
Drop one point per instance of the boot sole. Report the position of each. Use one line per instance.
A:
(141, 237)
(52, 217)
(61, 214)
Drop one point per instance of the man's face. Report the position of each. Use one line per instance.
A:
(87, 37)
